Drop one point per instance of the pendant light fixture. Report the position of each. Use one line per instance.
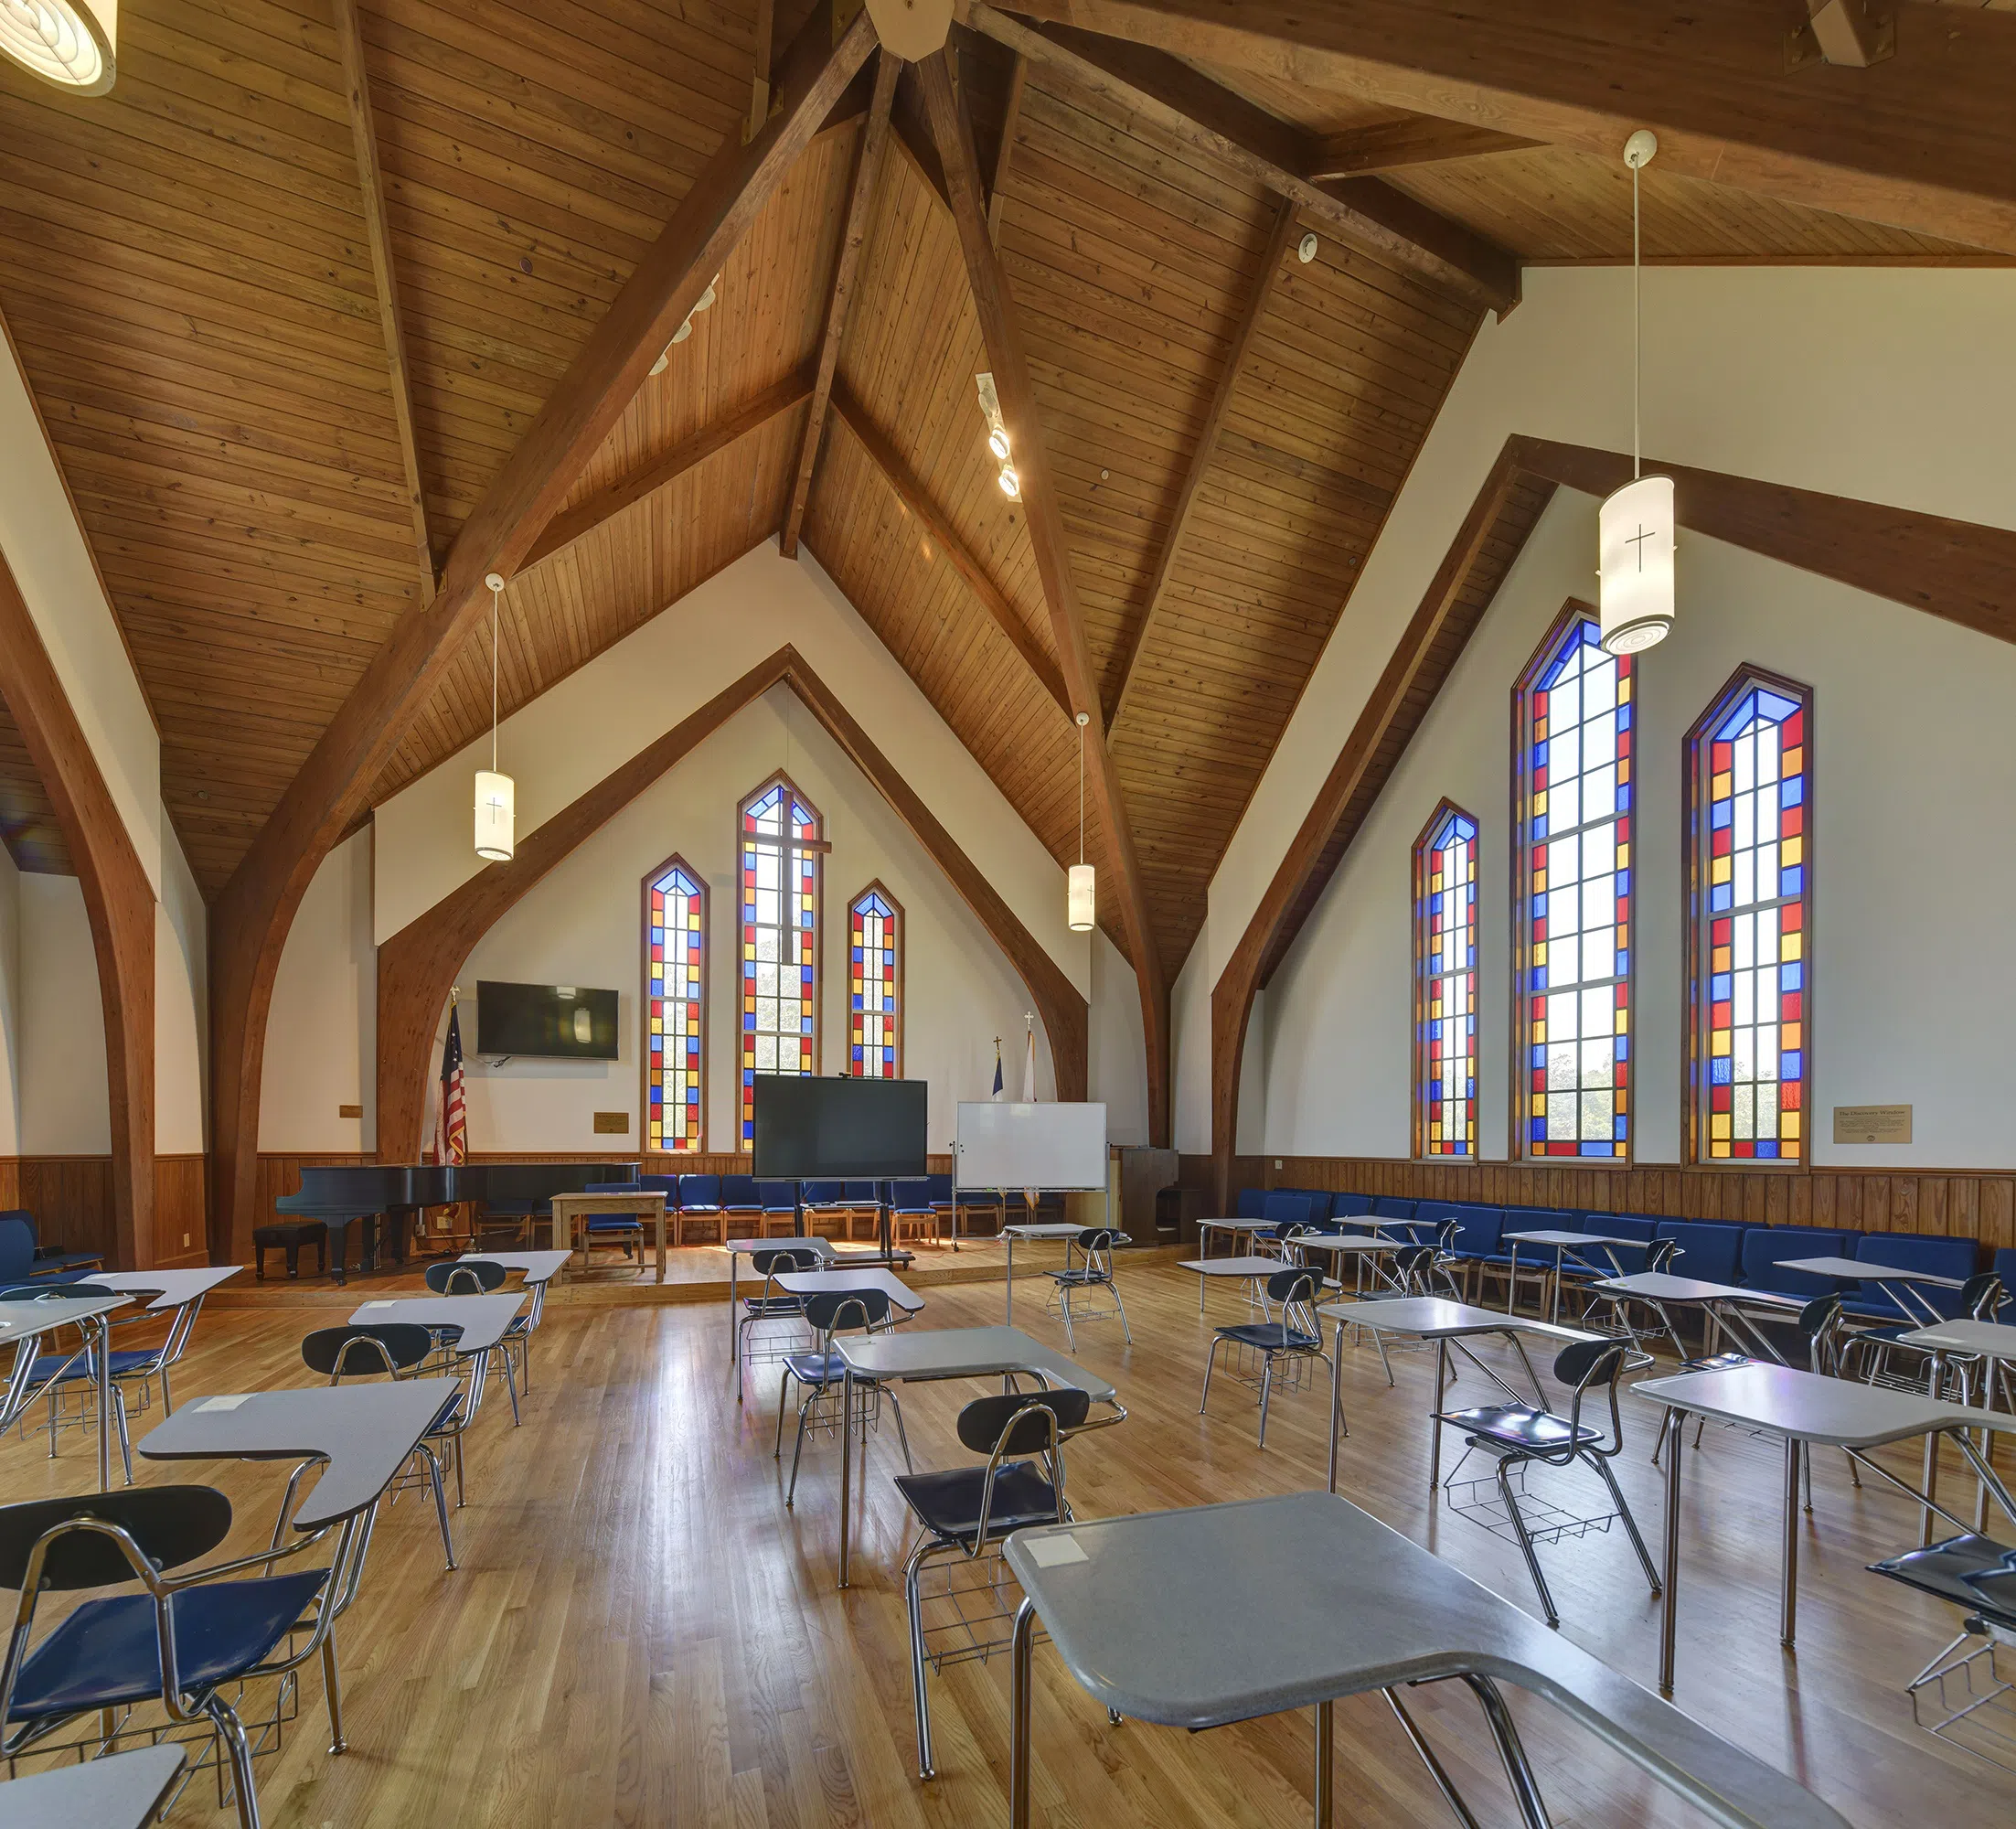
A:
(1079, 904)
(1635, 526)
(72, 43)
(496, 795)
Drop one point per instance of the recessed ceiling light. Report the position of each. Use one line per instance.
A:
(1305, 250)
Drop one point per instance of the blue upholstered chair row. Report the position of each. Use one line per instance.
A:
(1712, 1251)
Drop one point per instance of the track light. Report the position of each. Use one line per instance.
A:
(1011, 485)
(685, 326)
(998, 442)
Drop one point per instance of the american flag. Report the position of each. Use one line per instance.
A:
(452, 1119)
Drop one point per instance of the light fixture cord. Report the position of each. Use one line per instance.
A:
(494, 595)
(1637, 325)
(1081, 793)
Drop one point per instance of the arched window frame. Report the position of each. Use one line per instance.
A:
(659, 955)
(863, 975)
(1446, 989)
(1715, 1003)
(1533, 831)
(804, 862)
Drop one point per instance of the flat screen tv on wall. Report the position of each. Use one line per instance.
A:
(809, 1128)
(547, 1021)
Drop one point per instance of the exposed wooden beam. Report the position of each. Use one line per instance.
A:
(1843, 32)
(952, 132)
(914, 138)
(1182, 101)
(417, 966)
(759, 85)
(119, 904)
(249, 919)
(1271, 259)
(868, 169)
(384, 278)
(909, 490)
(1012, 118)
(1924, 140)
(647, 479)
(1416, 140)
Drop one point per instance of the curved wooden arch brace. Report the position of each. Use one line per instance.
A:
(417, 966)
(119, 901)
(1961, 571)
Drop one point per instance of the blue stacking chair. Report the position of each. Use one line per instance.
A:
(110, 1652)
(1283, 1212)
(52, 1260)
(700, 1198)
(1252, 1203)
(1349, 1206)
(825, 1202)
(1764, 1246)
(1952, 1257)
(1478, 1238)
(780, 1200)
(625, 1229)
(45, 1375)
(911, 1208)
(742, 1205)
(1710, 1253)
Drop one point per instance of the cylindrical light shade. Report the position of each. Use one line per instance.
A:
(1634, 542)
(71, 43)
(1079, 906)
(496, 812)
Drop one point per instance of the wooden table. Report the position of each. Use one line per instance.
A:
(567, 1208)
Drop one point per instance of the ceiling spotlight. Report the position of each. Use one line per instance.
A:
(1305, 250)
(1011, 485)
(998, 442)
(685, 326)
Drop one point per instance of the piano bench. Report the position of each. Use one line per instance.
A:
(289, 1237)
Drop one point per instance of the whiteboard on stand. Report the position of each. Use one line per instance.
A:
(1052, 1147)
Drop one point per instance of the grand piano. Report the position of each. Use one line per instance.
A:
(365, 1194)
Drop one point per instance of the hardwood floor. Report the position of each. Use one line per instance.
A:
(640, 1633)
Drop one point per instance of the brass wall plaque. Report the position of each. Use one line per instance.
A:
(349, 1111)
(611, 1124)
(1873, 1124)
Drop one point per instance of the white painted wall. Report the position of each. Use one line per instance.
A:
(46, 551)
(1191, 1052)
(322, 1031)
(12, 1040)
(1744, 374)
(1118, 1075)
(65, 1107)
(583, 925)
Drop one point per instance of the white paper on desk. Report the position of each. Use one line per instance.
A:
(224, 1402)
(1055, 1552)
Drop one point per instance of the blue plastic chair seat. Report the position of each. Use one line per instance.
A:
(1968, 1571)
(1516, 1426)
(108, 1653)
(1270, 1335)
(816, 1368)
(616, 1221)
(768, 1307)
(949, 1502)
(52, 1368)
(1079, 1277)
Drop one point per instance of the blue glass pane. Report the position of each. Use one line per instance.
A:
(1719, 988)
(1792, 791)
(1766, 1148)
(1720, 898)
(1719, 1071)
(1792, 976)
(1792, 1065)
(1792, 881)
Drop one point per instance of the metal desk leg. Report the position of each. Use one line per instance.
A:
(1434, 1419)
(1788, 1605)
(1011, 1278)
(661, 1241)
(734, 1259)
(846, 1462)
(1928, 1482)
(1674, 1426)
(1022, 1647)
(1337, 1405)
(103, 1355)
(1325, 1763)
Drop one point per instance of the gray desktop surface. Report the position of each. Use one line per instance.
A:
(484, 1320)
(964, 1353)
(118, 1792)
(1835, 1412)
(1295, 1600)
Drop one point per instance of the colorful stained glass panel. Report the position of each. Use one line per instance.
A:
(675, 1071)
(1445, 963)
(1575, 999)
(780, 897)
(1754, 890)
(875, 1049)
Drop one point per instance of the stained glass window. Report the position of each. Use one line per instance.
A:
(675, 1070)
(1573, 973)
(1446, 986)
(1749, 787)
(875, 986)
(781, 851)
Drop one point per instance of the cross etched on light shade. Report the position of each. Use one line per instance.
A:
(1637, 542)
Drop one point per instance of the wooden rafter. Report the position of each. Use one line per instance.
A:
(909, 490)
(417, 965)
(1924, 140)
(952, 132)
(1004, 157)
(1271, 260)
(1415, 140)
(868, 169)
(648, 479)
(249, 919)
(759, 84)
(384, 278)
(1180, 101)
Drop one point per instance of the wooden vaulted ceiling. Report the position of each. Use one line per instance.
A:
(187, 267)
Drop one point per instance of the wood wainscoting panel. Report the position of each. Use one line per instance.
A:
(180, 1203)
(1945, 1203)
(71, 1199)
